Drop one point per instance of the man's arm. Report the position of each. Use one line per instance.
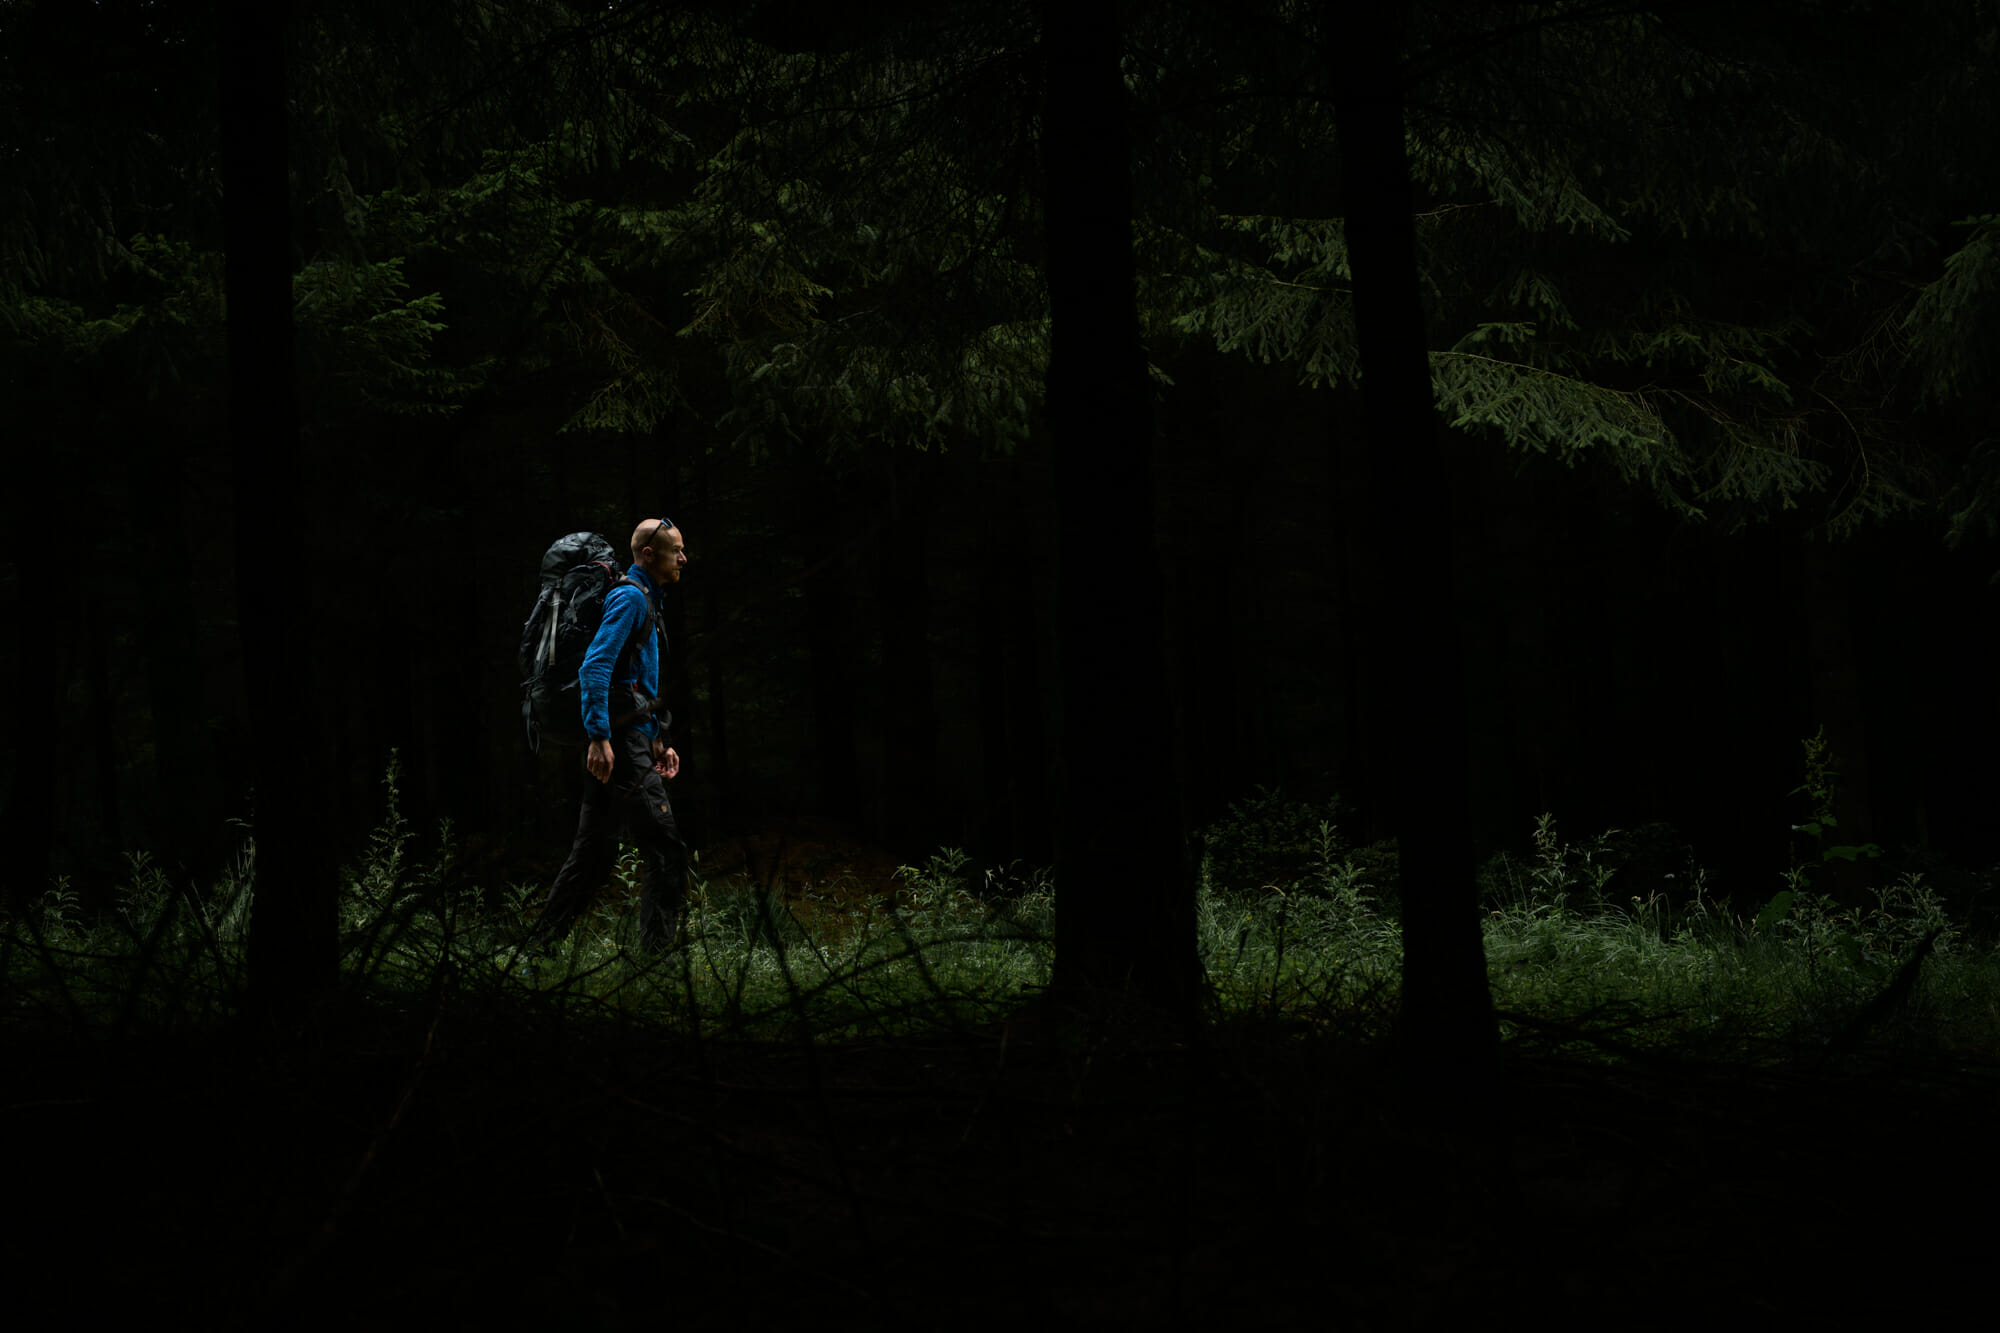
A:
(624, 608)
(598, 760)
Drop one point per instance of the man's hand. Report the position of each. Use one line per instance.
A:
(665, 762)
(598, 760)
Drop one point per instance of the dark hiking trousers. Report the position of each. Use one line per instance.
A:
(633, 804)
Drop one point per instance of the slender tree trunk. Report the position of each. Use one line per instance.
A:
(909, 710)
(101, 750)
(292, 924)
(1448, 1030)
(188, 816)
(676, 682)
(1014, 749)
(830, 641)
(1031, 756)
(1218, 674)
(1352, 569)
(675, 687)
(714, 645)
(995, 586)
(36, 527)
(1125, 890)
(1837, 706)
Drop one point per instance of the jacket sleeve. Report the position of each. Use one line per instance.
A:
(624, 608)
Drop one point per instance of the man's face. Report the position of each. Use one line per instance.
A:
(669, 555)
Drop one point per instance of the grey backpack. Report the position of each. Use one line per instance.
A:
(578, 573)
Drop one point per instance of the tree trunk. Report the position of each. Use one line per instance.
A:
(1837, 706)
(995, 593)
(1017, 758)
(676, 682)
(101, 750)
(909, 710)
(714, 645)
(830, 643)
(293, 947)
(35, 532)
(1125, 889)
(188, 818)
(1448, 1032)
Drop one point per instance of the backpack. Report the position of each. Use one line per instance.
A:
(578, 573)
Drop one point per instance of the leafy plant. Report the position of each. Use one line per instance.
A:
(1546, 896)
(939, 889)
(61, 911)
(1317, 952)
(1820, 786)
(1269, 839)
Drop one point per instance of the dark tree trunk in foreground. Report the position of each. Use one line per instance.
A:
(1125, 890)
(292, 921)
(1448, 1032)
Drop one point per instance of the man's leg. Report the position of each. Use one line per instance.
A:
(591, 858)
(662, 856)
(662, 874)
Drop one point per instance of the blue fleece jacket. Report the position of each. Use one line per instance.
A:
(626, 610)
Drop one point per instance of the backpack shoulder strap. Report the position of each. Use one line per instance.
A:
(652, 605)
(651, 622)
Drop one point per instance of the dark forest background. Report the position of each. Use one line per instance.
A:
(1083, 418)
(1709, 306)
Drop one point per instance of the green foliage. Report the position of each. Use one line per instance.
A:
(1274, 289)
(939, 888)
(1973, 503)
(1268, 839)
(358, 329)
(1820, 788)
(1951, 337)
(1289, 920)
(363, 343)
(1544, 410)
(1625, 216)
(164, 957)
(1309, 946)
(60, 911)
(865, 280)
(1562, 877)
(1689, 973)
(1773, 912)
(1951, 325)
(182, 290)
(1322, 949)
(399, 121)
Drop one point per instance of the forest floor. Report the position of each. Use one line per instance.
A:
(477, 1159)
(827, 875)
(454, 1167)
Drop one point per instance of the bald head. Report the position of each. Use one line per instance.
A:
(657, 548)
(648, 534)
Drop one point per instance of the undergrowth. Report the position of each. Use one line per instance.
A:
(1293, 925)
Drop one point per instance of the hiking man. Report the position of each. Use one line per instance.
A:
(630, 757)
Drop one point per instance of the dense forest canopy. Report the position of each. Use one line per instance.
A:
(1706, 296)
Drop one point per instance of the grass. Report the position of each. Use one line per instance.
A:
(1293, 925)
(781, 1112)
(1676, 968)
